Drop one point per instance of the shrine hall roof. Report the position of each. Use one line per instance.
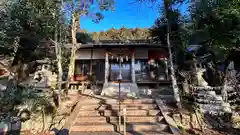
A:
(120, 43)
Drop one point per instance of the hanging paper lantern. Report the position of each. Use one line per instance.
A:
(126, 58)
(121, 59)
(117, 59)
(112, 57)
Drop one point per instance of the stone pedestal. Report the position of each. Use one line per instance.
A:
(127, 90)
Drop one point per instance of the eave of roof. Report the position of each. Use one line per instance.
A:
(115, 45)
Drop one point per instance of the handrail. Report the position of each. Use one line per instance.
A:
(124, 121)
(119, 106)
(119, 94)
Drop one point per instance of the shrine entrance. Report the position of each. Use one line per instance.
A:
(115, 70)
(120, 64)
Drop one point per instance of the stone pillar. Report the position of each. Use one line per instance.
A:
(133, 67)
(106, 67)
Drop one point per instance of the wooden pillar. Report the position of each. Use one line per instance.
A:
(91, 62)
(106, 67)
(133, 67)
(166, 68)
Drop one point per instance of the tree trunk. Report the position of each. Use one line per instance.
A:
(59, 65)
(59, 60)
(13, 77)
(60, 71)
(77, 23)
(73, 48)
(173, 77)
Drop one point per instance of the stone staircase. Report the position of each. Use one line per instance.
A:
(233, 95)
(143, 117)
(216, 112)
(127, 89)
(211, 103)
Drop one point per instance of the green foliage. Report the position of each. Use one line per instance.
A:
(29, 18)
(182, 129)
(122, 34)
(216, 23)
(90, 8)
(66, 53)
(83, 37)
(29, 99)
(179, 32)
(34, 19)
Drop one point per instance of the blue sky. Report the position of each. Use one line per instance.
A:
(127, 14)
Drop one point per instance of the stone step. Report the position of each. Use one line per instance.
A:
(137, 119)
(210, 107)
(158, 91)
(90, 102)
(145, 127)
(94, 133)
(205, 101)
(92, 127)
(88, 113)
(131, 101)
(84, 113)
(90, 107)
(203, 96)
(131, 112)
(116, 106)
(205, 93)
(164, 97)
(121, 84)
(214, 113)
(168, 101)
(217, 98)
(148, 133)
(115, 133)
(95, 119)
(134, 107)
(115, 101)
